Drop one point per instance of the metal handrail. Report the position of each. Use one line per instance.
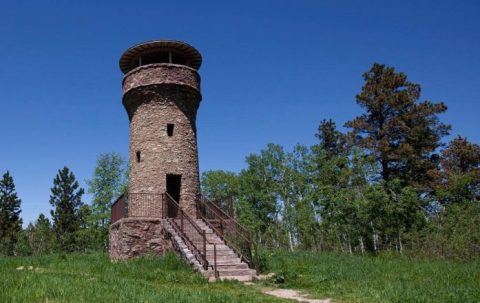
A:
(245, 235)
(200, 255)
(219, 209)
(119, 210)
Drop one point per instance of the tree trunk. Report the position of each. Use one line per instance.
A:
(340, 243)
(347, 242)
(362, 246)
(385, 169)
(290, 241)
(375, 238)
(400, 246)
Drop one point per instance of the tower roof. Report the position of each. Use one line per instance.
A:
(130, 56)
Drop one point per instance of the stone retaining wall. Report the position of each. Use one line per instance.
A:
(133, 237)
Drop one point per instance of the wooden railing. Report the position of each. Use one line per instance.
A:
(226, 227)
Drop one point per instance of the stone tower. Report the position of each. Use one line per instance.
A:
(161, 93)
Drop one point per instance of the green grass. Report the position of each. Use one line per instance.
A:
(93, 278)
(378, 279)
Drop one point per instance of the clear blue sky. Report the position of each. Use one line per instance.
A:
(271, 71)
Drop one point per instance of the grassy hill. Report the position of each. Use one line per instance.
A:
(379, 279)
(93, 278)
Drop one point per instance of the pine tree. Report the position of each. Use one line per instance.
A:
(66, 199)
(460, 173)
(331, 140)
(10, 221)
(400, 132)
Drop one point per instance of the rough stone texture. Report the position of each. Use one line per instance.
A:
(161, 73)
(157, 95)
(132, 237)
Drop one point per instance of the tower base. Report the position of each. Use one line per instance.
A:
(134, 237)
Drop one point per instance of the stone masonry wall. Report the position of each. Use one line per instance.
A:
(132, 237)
(161, 73)
(151, 108)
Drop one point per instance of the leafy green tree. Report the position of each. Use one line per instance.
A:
(400, 132)
(276, 198)
(22, 247)
(404, 212)
(107, 184)
(453, 233)
(460, 172)
(66, 198)
(342, 183)
(10, 221)
(218, 184)
(39, 237)
(258, 196)
(303, 207)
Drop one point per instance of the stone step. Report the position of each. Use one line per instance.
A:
(245, 278)
(223, 258)
(211, 247)
(225, 267)
(226, 263)
(222, 253)
(196, 239)
(235, 272)
(210, 252)
(229, 265)
(226, 260)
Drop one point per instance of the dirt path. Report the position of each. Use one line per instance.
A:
(294, 295)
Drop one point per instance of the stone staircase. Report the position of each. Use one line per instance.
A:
(229, 266)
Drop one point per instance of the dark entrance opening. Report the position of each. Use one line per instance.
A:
(170, 129)
(174, 183)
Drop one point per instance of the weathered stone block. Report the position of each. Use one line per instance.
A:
(133, 237)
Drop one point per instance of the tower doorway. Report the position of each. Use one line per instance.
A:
(174, 183)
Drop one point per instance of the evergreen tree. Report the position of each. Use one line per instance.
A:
(107, 184)
(331, 140)
(10, 221)
(65, 197)
(89, 236)
(460, 173)
(399, 131)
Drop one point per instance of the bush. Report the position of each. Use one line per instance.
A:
(454, 233)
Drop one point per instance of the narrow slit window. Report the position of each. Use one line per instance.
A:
(138, 156)
(170, 129)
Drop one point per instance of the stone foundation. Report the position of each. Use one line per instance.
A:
(133, 237)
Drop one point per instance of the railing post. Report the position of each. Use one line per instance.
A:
(215, 260)
(181, 220)
(125, 206)
(205, 266)
(221, 227)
